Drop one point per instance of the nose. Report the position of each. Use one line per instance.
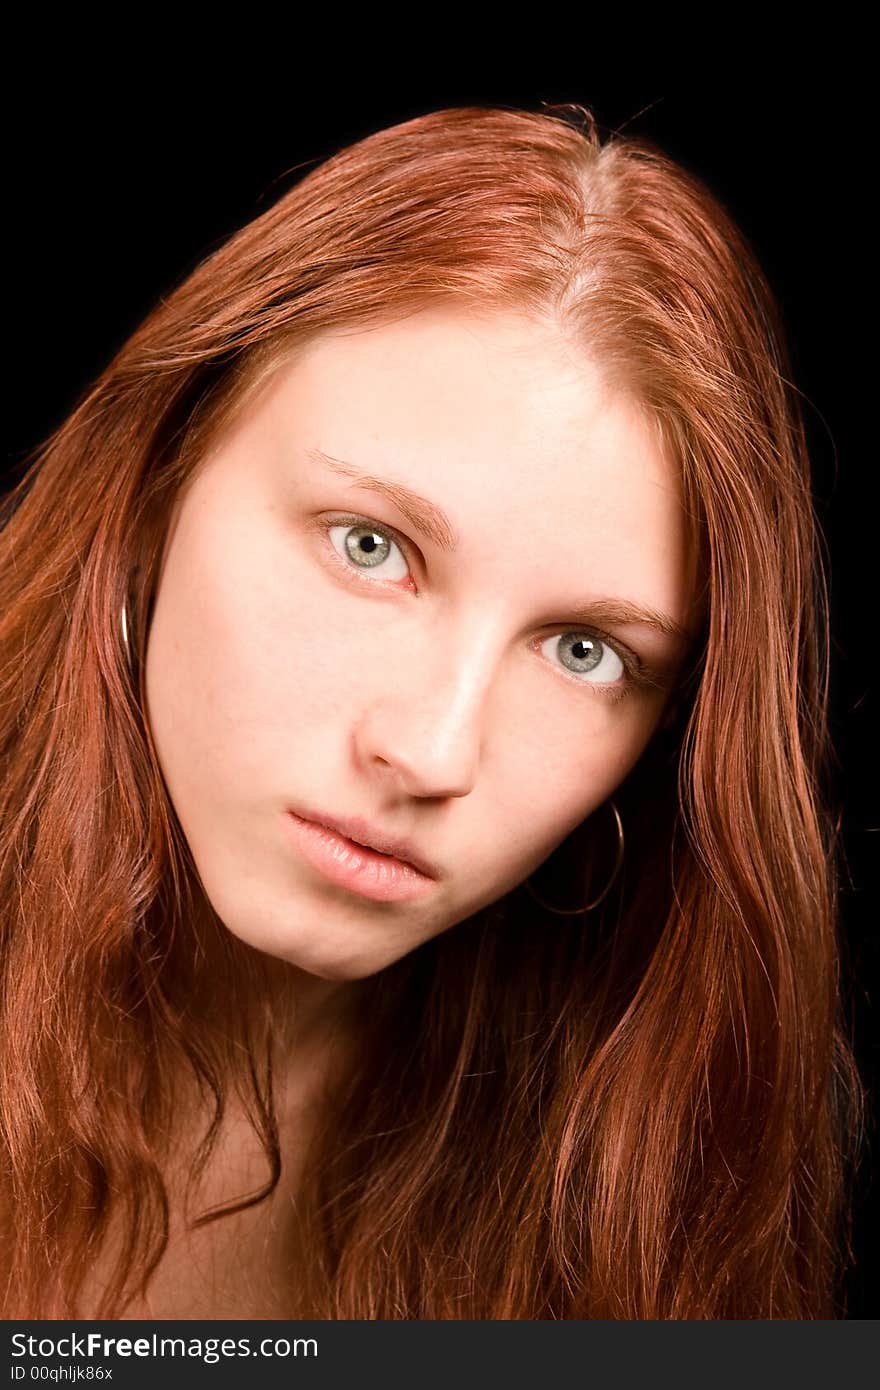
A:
(426, 735)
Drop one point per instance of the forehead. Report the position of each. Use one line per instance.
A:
(442, 349)
(444, 391)
(506, 424)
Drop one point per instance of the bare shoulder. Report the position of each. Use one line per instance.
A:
(250, 1264)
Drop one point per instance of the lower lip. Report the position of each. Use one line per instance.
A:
(355, 867)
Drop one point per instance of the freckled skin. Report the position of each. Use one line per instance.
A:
(413, 695)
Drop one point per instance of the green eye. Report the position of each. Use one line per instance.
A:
(368, 547)
(583, 654)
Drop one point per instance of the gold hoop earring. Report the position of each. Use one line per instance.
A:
(125, 640)
(575, 911)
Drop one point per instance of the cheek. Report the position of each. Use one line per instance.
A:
(556, 773)
(321, 654)
(248, 657)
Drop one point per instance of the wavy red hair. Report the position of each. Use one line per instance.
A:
(648, 1113)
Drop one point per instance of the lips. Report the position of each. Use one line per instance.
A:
(347, 864)
(358, 830)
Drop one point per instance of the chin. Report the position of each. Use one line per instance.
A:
(350, 961)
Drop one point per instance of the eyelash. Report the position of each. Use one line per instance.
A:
(637, 675)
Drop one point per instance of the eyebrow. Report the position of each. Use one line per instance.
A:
(424, 516)
(434, 525)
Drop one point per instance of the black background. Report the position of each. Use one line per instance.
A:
(120, 182)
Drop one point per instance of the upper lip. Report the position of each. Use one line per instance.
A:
(357, 829)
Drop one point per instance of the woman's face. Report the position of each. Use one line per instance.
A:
(324, 643)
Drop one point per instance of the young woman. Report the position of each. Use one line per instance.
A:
(416, 873)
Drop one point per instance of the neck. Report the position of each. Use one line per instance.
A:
(315, 1024)
(312, 1022)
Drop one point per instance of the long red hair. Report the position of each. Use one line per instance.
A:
(645, 1113)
